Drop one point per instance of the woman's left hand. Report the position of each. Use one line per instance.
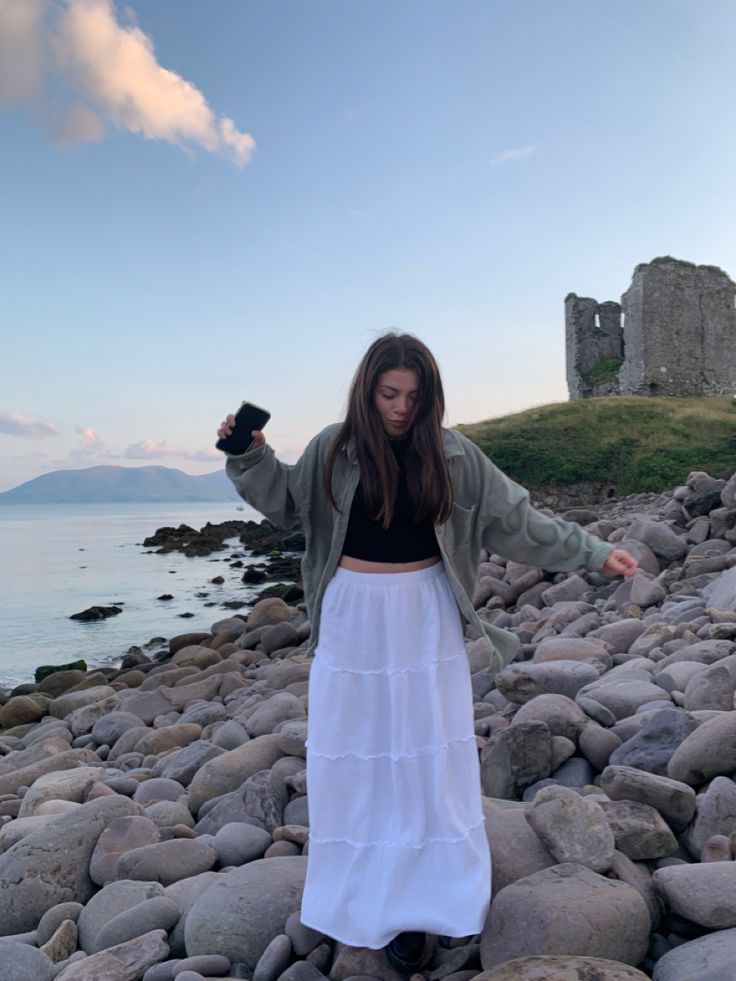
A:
(619, 563)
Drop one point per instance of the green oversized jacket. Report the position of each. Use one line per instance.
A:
(489, 511)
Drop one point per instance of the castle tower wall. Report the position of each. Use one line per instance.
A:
(594, 341)
(679, 330)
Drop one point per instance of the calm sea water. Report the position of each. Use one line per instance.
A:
(59, 559)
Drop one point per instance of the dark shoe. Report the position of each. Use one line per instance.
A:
(406, 952)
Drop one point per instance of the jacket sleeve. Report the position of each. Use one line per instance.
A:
(270, 486)
(511, 527)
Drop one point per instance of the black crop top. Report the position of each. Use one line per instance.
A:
(405, 540)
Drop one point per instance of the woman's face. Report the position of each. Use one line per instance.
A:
(395, 399)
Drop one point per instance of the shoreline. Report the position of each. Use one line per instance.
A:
(171, 791)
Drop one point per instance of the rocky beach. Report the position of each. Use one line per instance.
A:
(154, 814)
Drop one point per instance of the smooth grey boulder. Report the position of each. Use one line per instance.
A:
(572, 828)
(145, 704)
(260, 801)
(728, 494)
(281, 707)
(721, 593)
(205, 713)
(121, 835)
(623, 698)
(514, 758)
(111, 726)
(574, 772)
(65, 704)
(238, 843)
(709, 958)
(274, 959)
(303, 938)
(68, 785)
(713, 687)
(230, 735)
(126, 962)
(553, 967)
(357, 963)
(53, 918)
(677, 675)
(516, 849)
(158, 788)
(704, 652)
(655, 744)
(229, 771)
(562, 716)
(654, 635)
(25, 776)
(242, 913)
(704, 893)
(166, 861)
(109, 902)
(571, 649)
(125, 743)
(639, 830)
(51, 865)
(181, 695)
(519, 683)
(570, 589)
(638, 876)
(182, 764)
(674, 800)
(164, 738)
(293, 737)
(278, 636)
(620, 635)
(646, 591)
(597, 744)
(167, 813)
(297, 812)
(157, 913)
(567, 909)
(663, 541)
(716, 814)
(707, 752)
(185, 892)
(21, 962)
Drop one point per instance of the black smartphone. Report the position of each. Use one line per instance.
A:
(247, 418)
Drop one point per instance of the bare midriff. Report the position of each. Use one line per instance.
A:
(361, 565)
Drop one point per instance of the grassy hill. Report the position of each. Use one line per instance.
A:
(615, 444)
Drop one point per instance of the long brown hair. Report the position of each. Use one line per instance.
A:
(428, 476)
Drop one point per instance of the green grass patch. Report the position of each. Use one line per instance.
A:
(605, 369)
(627, 444)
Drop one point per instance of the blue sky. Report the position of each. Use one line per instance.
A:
(208, 202)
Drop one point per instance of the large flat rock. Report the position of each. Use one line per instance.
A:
(567, 909)
(51, 865)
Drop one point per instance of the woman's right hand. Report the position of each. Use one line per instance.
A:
(227, 426)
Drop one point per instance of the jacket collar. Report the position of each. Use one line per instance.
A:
(450, 443)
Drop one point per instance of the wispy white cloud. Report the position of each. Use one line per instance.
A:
(16, 424)
(516, 153)
(112, 76)
(149, 449)
(89, 445)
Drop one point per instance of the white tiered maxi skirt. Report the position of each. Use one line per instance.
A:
(397, 837)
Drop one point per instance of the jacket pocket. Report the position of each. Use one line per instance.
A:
(461, 527)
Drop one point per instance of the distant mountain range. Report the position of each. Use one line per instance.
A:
(117, 484)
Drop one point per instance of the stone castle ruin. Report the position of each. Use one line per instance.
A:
(674, 333)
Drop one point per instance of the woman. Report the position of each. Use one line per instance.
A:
(395, 510)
